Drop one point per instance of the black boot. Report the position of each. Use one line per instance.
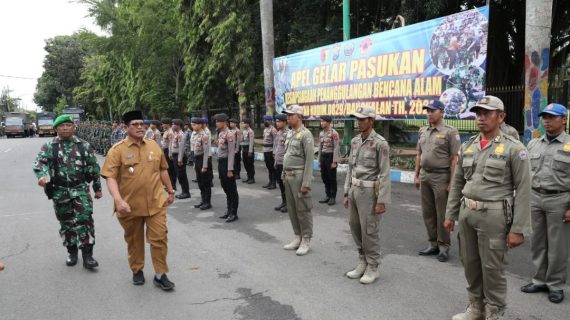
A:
(233, 216)
(200, 204)
(332, 201)
(207, 200)
(226, 214)
(279, 207)
(183, 195)
(246, 181)
(272, 185)
(88, 261)
(267, 185)
(325, 200)
(72, 257)
(251, 181)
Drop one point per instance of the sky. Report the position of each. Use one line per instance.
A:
(24, 27)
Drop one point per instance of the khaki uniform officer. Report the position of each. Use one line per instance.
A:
(297, 177)
(550, 204)
(136, 174)
(509, 130)
(367, 191)
(437, 149)
(491, 167)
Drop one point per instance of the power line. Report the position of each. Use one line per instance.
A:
(16, 77)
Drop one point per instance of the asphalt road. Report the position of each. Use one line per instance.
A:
(232, 271)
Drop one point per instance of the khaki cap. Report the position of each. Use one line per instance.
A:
(294, 109)
(489, 103)
(364, 112)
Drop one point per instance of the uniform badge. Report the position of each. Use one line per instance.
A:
(469, 150)
(523, 154)
(132, 169)
(298, 135)
(497, 139)
(566, 147)
(130, 156)
(457, 137)
(500, 149)
(440, 136)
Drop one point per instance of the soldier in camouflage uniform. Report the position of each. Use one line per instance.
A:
(71, 165)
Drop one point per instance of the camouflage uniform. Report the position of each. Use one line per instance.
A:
(71, 200)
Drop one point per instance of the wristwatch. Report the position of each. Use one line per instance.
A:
(170, 192)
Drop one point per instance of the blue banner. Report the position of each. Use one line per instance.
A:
(398, 71)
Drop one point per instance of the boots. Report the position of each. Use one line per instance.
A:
(233, 216)
(283, 203)
(272, 184)
(359, 270)
(293, 245)
(226, 215)
(207, 200)
(475, 311)
(87, 253)
(370, 274)
(267, 185)
(493, 312)
(325, 200)
(72, 257)
(332, 201)
(199, 204)
(304, 247)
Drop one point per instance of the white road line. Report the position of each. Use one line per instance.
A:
(8, 150)
(21, 214)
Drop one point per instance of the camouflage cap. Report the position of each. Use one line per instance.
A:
(364, 112)
(294, 109)
(489, 103)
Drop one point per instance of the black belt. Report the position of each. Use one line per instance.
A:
(68, 184)
(268, 145)
(542, 191)
(436, 170)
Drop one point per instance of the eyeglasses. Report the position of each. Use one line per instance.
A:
(136, 124)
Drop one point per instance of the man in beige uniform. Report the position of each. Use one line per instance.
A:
(329, 154)
(136, 174)
(297, 177)
(437, 149)
(510, 130)
(491, 167)
(550, 204)
(367, 191)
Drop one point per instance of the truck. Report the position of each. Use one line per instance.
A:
(75, 113)
(18, 124)
(44, 123)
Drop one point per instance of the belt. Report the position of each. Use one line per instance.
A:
(542, 191)
(68, 184)
(436, 170)
(362, 183)
(291, 172)
(268, 145)
(326, 153)
(480, 205)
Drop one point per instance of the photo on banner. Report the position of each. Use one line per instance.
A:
(398, 72)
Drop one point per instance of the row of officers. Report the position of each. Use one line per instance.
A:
(497, 189)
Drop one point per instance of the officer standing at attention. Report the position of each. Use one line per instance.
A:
(329, 147)
(136, 175)
(367, 190)
(238, 134)
(247, 143)
(226, 154)
(491, 166)
(202, 163)
(510, 130)
(178, 158)
(550, 204)
(166, 137)
(279, 153)
(268, 137)
(71, 165)
(297, 177)
(437, 148)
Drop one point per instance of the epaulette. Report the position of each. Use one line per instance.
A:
(117, 144)
(470, 140)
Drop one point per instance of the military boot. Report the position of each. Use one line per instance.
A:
(293, 245)
(304, 247)
(87, 253)
(359, 270)
(370, 274)
(72, 257)
(199, 204)
(233, 216)
(493, 312)
(272, 184)
(475, 311)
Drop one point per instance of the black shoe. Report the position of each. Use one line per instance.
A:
(534, 288)
(279, 207)
(332, 202)
(284, 209)
(246, 181)
(556, 296)
(232, 218)
(252, 181)
(71, 259)
(325, 200)
(138, 278)
(272, 186)
(429, 251)
(89, 262)
(163, 283)
(198, 205)
(183, 195)
(195, 180)
(225, 216)
(206, 206)
(267, 185)
(443, 256)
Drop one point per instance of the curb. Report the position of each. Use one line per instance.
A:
(395, 174)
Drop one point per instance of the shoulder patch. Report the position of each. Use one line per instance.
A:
(566, 147)
(523, 154)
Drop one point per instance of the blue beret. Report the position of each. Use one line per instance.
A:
(267, 117)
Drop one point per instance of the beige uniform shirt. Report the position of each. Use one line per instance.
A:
(437, 146)
(510, 130)
(177, 144)
(239, 136)
(550, 163)
(201, 146)
(166, 136)
(493, 174)
(300, 153)
(329, 142)
(370, 161)
(226, 146)
(268, 136)
(137, 167)
(279, 145)
(248, 139)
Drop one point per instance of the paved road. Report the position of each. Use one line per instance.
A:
(231, 271)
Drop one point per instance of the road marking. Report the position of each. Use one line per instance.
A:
(21, 214)
(8, 150)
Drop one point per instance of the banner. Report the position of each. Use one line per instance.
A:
(397, 71)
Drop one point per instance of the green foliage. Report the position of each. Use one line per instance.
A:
(7, 103)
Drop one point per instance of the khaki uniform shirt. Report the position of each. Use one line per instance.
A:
(137, 167)
(157, 136)
(510, 130)
(177, 144)
(437, 146)
(300, 153)
(248, 139)
(166, 136)
(239, 136)
(493, 174)
(268, 136)
(201, 146)
(329, 143)
(370, 161)
(226, 146)
(279, 145)
(550, 163)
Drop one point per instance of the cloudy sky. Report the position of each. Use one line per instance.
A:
(24, 26)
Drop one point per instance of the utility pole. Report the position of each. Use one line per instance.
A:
(268, 48)
(537, 56)
(348, 124)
